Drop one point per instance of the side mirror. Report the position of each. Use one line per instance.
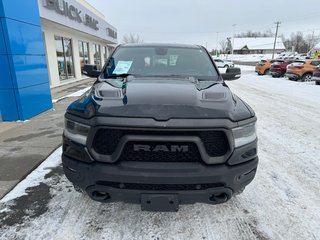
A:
(231, 74)
(95, 73)
(91, 70)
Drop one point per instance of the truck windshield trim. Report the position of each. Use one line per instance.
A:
(160, 61)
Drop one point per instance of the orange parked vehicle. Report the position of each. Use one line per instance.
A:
(302, 70)
(263, 67)
(316, 75)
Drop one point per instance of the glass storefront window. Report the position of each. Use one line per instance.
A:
(97, 56)
(84, 53)
(105, 53)
(65, 57)
(111, 49)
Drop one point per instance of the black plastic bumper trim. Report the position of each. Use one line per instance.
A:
(87, 176)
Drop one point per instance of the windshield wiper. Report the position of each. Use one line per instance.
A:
(206, 79)
(123, 75)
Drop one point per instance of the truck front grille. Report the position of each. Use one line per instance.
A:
(215, 142)
(167, 152)
(106, 140)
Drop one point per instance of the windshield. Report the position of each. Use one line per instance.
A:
(160, 61)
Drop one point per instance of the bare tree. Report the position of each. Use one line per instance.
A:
(311, 40)
(223, 45)
(299, 42)
(132, 38)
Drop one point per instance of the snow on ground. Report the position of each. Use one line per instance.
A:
(78, 93)
(36, 177)
(281, 203)
(75, 94)
(246, 57)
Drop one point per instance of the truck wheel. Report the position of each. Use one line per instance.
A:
(307, 77)
(317, 82)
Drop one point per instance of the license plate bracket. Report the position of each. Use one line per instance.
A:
(159, 202)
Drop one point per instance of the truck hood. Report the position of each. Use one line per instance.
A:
(162, 99)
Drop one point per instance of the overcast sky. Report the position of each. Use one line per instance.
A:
(198, 21)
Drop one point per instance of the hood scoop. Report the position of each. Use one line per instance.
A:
(214, 96)
(109, 94)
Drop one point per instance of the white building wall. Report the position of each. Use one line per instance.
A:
(76, 57)
(91, 52)
(53, 23)
(51, 55)
(51, 30)
(84, 8)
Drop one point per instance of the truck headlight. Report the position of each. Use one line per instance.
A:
(244, 134)
(76, 132)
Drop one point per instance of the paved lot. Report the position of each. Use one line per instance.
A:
(23, 146)
(281, 203)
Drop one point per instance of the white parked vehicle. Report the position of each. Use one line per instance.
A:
(223, 63)
(288, 55)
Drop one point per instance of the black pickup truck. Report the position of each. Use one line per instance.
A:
(160, 128)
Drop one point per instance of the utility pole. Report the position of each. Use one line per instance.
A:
(234, 26)
(275, 39)
(217, 44)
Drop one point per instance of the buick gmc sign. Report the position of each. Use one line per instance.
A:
(64, 8)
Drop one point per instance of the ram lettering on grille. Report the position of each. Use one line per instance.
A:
(161, 148)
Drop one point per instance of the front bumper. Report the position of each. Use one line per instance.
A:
(258, 70)
(276, 73)
(316, 78)
(190, 181)
(292, 76)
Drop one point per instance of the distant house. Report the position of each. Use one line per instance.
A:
(317, 47)
(315, 52)
(259, 45)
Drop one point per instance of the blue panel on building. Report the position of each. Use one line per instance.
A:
(8, 106)
(24, 87)
(5, 77)
(1, 10)
(28, 70)
(21, 10)
(3, 48)
(33, 100)
(22, 38)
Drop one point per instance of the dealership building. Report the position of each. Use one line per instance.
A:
(44, 44)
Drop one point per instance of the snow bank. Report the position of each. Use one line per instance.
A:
(35, 178)
(247, 57)
(75, 94)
